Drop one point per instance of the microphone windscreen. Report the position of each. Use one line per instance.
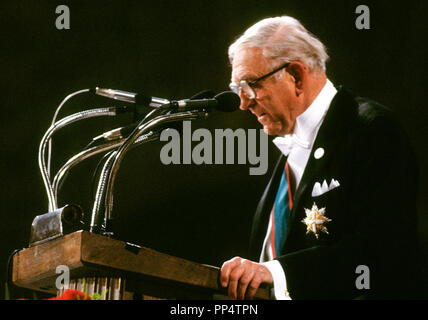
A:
(228, 101)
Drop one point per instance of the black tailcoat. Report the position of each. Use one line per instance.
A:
(372, 212)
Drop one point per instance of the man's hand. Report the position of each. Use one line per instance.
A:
(243, 277)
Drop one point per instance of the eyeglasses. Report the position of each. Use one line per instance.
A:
(247, 86)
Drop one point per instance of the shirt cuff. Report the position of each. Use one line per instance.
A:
(279, 282)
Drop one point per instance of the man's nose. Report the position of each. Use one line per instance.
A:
(245, 101)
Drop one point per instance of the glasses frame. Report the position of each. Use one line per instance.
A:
(246, 86)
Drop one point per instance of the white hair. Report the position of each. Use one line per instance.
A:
(283, 39)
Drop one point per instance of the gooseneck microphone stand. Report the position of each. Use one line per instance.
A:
(104, 194)
(113, 142)
(111, 111)
(90, 152)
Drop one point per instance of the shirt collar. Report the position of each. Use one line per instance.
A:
(308, 123)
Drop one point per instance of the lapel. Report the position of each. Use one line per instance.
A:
(337, 123)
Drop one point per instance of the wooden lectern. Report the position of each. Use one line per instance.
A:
(142, 273)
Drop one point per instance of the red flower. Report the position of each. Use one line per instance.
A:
(71, 294)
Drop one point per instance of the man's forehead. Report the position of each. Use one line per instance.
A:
(248, 63)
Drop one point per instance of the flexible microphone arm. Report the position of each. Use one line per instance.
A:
(115, 141)
(111, 111)
(92, 151)
(58, 109)
(98, 226)
(118, 156)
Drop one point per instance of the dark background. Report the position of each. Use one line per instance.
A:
(173, 49)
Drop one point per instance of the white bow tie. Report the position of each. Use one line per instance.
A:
(288, 142)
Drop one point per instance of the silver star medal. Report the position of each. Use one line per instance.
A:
(315, 220)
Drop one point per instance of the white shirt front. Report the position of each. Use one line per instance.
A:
(297, 146)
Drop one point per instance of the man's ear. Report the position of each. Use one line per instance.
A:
(299, 72)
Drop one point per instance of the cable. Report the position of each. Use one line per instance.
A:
(8, 271)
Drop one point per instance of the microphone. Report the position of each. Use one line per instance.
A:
(114, 134)
(226, 101)
(131, 97)
(142, 111)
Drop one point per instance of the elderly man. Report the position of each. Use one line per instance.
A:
(338, 217)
